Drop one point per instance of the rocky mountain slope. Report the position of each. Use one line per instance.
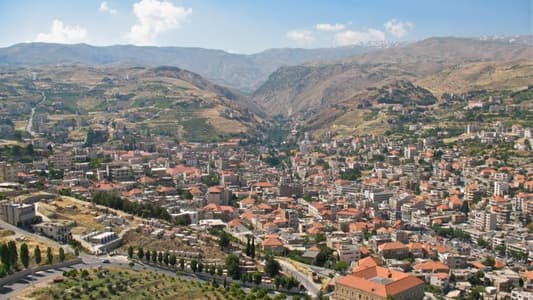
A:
(295, 89)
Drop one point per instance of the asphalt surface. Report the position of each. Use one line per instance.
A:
(312, 288)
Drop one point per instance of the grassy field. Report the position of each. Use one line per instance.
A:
(129, 284)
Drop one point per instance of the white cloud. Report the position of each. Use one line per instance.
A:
(302, 36)
(155, 17)
(330, 27)
(397, 28)
(61, 33)
(104, 7)
(350, 37)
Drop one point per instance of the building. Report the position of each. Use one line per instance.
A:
(8, 172)
(485, 221)
(17, 213)
(455, 261)
(100, 237)
(378, 283)
(348, 253)
(123, 173)
(290, 189)
(218, 195)
(55, 230)
(395, 250)
(501, 188)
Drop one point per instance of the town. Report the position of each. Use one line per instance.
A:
(366, 216)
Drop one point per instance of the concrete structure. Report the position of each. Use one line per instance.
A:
(218, 195)
(54, 230)
(17, 213)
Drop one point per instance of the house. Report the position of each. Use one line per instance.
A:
(440, 280)
(218, 195)
(396, 250)
(272, 244)
(378, 283)
(348, 253)
(431, 267)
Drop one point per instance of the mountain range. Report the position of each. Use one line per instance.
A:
(313, 85)
(321, 88)
(238, 71)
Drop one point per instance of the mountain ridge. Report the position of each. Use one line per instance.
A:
(244, 72)
(298, 88)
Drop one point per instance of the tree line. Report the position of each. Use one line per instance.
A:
(145, 210)
(11, 256)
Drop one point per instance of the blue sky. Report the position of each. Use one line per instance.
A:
(247, 26)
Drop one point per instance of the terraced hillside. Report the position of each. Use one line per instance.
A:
(161, 100)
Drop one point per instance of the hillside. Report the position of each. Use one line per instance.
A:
(239, 71)
(162, 100)
(491, 75)
(315, 85)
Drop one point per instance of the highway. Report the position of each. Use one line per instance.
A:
(313, 289)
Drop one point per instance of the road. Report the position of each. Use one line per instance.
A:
(312, 288)
(45, 240)
(29, 126)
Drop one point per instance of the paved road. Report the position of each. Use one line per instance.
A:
(312, 288)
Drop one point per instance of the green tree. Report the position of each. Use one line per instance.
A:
(61, 254)
(247, 251)
(489, 261)
(233, 266)
(257, 277)
(194, 265)
(341, 266)
(272, 266)
(49, 256)
(200, 267)
(224, 240)
(140, 253)
(24, 255)
(130, 252)
(160, 257)
(166, 258)
(154, 256)
(37, 255)
(182, 264)
(4, 256)
(13, 255)
(252, 248)
(482, 243)
(147, 256)
(172, 259)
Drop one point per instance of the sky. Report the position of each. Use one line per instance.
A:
(250, 26)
